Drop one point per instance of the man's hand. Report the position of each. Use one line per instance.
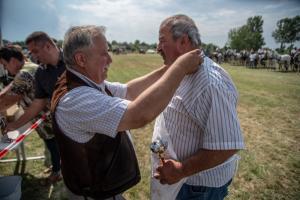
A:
(190, 61)
(169, 172)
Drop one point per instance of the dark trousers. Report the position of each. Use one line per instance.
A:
(54, 153)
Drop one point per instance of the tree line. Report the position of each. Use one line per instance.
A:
(249, 36)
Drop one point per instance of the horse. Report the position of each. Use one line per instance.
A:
(271, 58)
(296, 63)
(284, 61)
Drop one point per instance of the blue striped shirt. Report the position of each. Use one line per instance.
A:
(202, 115)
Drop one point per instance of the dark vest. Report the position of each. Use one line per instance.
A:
(102, 167)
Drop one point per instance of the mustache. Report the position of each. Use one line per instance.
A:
(106, 67)
(162, 54)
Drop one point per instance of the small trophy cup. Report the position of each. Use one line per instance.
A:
(159, 146)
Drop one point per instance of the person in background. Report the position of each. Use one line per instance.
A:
(43, 49)
(21, 90)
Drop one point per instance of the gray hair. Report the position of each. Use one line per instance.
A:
(79, 38)
(182, 24)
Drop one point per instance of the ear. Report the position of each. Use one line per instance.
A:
(48, 46)
(80, 59)
(183, 43)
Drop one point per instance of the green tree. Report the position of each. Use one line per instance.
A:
(136, 45)
(20, 43)
(238, 38)
(209, 48)
(248, 36)
(287, 31)
(114, 42)
(153, 46)
(60, 43)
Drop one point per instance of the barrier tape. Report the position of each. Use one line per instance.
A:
(22, 136)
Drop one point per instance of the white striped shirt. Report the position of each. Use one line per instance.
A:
(202, 115)
(84, 111)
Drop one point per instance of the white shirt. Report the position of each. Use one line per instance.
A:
(202, 115)
(84, 110)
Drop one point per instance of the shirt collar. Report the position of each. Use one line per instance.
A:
(59, 63)
(91, 83)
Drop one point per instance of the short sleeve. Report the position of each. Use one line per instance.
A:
(216, 111)
(117, 89)
(86, 110)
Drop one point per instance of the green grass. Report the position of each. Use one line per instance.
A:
(269, 112)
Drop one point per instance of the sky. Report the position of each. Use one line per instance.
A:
(130, 20)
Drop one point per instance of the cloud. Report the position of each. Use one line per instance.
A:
(49, 4)
(126, 19)
(63, 25)
(272, 6)
(225, 12)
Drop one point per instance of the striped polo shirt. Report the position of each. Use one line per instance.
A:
(202, 115)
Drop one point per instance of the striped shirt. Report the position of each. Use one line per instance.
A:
(202, 115)
(84, 111)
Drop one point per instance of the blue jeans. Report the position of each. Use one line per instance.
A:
(202, 192)
(54, 153)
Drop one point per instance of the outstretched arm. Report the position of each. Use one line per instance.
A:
(7, 99)
(154, 99)
(32, 111)
(137, 86)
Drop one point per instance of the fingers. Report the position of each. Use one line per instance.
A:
(159, 173)
(200, 54)
(162, 159)
(196, 51)
(160, 178)
(156, 175)
(163, 181)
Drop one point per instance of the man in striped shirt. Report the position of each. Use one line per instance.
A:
(200, 121)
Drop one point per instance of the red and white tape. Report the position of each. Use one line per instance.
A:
(22, 136)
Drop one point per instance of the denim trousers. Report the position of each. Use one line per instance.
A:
(202, 192)
(54, 153)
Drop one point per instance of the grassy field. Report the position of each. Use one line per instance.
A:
(269, 112)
